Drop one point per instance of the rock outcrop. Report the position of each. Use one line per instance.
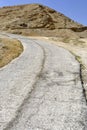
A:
(35, 19)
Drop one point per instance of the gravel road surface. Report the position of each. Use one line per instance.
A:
(42, 90)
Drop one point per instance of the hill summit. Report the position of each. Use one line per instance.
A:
(36, 19)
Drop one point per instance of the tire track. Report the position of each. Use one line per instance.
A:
(8, 126)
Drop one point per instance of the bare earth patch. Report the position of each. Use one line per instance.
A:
(9, 49)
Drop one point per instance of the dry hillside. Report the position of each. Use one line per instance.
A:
(35, 19)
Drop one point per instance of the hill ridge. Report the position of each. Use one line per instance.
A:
(36, 19)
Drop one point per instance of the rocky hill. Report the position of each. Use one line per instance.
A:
(35, 19)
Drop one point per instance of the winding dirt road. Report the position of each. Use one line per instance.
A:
(42, 90)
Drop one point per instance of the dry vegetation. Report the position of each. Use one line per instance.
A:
(38, 20)
(9, 49)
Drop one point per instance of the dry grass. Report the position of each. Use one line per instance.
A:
(75, 42)
(9, 49)
(36, 20)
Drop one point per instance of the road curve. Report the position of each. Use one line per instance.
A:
(42, 90)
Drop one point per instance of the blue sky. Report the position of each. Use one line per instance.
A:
(75, 9)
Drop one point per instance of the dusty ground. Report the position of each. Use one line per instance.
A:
(9, 49)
